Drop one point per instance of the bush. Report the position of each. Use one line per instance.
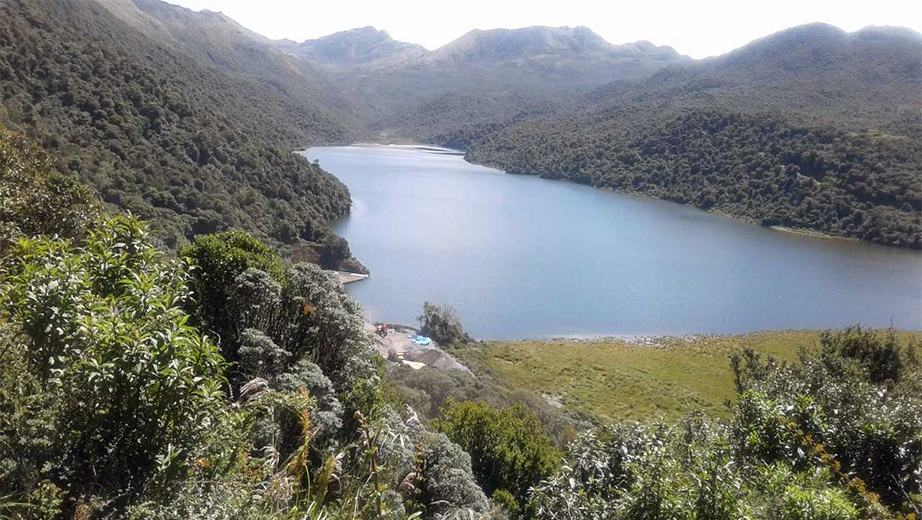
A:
(805, 504)
(434, 474)
(217, 262)
(37, 200)
(309, 317)
(116, 386)
(508, 448)
(883, 358)
(852, 407)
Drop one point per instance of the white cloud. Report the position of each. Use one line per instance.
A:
(698, 29)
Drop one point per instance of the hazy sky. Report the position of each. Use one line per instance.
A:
(696, 28)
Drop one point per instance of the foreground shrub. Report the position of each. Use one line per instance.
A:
(508, 448)
(111, 386)
(218, 259)
(852, 406)
(309, 317)
(801, 504)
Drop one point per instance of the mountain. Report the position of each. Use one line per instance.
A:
(558, 43)
(218, 42)
(483, 76)
(366, 46)
(121, 93)
(866, 78)
(810, 128)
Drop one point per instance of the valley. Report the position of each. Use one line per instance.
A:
(618, 282)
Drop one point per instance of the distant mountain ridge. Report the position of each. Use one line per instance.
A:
(370, 46)
(532, 42)
(364, 46)
(483, 76)
(871, 77)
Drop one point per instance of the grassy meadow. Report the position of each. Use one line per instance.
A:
(612, 379)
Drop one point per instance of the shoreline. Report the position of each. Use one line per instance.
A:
(672, 339)
(739, 218)
(824, 236)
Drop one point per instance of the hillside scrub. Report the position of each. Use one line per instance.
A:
(113, 406)
(806, 440)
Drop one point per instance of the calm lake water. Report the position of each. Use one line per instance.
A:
(522, 257)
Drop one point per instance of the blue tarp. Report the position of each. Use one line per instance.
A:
(422, 340)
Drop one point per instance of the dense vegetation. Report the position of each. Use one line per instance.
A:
(811, 127)
(757, 167)
(218, 380)
(114, 406)
(184, 146)
(509, 451)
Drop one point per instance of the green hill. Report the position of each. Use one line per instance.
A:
(193, 148)
(810, 128)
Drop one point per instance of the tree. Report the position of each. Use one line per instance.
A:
(441, 323)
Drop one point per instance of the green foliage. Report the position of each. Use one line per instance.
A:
(218, 260)
(189, 146)
(439, 475)
(801, 504)
(507, 502)
(632, 471)
(334, 253)
(882, 358)
(441, 323)
(114, 379)
(508, 447)
(816, 413)
(277, 315)
(34, 198)
(760, 167)
(309, 317)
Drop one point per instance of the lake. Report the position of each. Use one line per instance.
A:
(522, 257)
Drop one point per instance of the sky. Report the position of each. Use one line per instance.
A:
(696, 28)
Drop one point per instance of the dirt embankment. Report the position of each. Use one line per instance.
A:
(398, 347)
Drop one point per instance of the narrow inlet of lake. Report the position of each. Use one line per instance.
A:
(522, 257)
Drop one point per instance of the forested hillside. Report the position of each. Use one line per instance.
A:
(757, 167)
(810, 128)
(192, 148)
